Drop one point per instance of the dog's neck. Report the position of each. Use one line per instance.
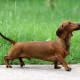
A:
(65, 43)
(67, 40)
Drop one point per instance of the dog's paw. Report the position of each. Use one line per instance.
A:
(22, 64)
(69, 69)
(9, 66)
(57, 67)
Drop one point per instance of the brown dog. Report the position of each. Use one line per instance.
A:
(53, 51)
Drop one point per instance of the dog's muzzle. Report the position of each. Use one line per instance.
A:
(77, 28)
(79, 24)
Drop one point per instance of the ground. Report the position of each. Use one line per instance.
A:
(39, 72)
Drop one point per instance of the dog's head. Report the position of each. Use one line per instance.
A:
(66, 29)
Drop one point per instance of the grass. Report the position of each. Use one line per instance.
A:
(35, 20)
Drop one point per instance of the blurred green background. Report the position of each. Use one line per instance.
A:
(36, 20)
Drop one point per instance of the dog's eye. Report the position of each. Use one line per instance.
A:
(69, 23)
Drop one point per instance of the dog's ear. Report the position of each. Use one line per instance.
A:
(60, 32)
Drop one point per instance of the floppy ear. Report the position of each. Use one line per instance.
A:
(60, 32)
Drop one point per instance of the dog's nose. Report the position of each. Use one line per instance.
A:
(79, 24)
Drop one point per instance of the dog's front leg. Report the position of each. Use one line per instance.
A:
(61, 59)
(56, 65)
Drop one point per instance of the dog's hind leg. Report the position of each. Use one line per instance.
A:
(6, 58)
(21, 62)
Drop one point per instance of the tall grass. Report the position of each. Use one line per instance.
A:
(35, 20)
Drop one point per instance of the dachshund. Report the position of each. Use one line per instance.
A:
(54, 50)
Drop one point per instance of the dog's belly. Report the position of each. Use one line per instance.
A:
(41, 57)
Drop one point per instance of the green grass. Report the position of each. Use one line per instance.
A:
(35, 20)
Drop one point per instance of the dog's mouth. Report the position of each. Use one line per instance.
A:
(77, 28)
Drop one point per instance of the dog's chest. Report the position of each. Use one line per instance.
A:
(66, 53)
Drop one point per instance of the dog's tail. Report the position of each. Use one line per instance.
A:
(10, 40)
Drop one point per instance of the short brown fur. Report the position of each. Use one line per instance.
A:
(53, 51)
